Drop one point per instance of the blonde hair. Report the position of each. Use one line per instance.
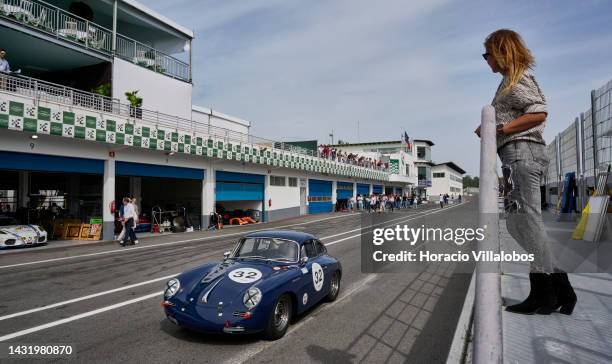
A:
(511, 55)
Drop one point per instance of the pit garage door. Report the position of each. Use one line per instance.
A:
(239, 194)
(344, 190)
(363, 189)
(377, 189)
(50, 190)
(320, 196)
(173, 192)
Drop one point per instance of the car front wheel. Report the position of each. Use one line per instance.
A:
(279, 320)
(334, 287)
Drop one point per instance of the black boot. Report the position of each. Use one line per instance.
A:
(542, 298)
(566, 297)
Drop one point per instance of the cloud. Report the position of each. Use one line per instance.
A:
(298, 69)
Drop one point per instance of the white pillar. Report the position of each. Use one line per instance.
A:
(371, 191)
(208, 195)
(24, 189)
(355, 189)
(487, 304)
(108, 196)
(267, 197)
(334, 194)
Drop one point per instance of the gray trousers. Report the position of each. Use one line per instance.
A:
(524, 164)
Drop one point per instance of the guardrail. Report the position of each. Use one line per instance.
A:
(64, 25)
(46, 91)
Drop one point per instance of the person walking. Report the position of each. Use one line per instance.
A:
(129, 214)
(122, 220)
(441, 201)
(520, 112)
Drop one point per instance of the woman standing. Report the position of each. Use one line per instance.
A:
(520, 110)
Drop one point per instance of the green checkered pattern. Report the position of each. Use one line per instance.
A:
(394, 166)
(106, 128)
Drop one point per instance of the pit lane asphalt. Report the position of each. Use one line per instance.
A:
(377, 318)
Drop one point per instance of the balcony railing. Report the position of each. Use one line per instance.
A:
(64, 25)
(150, 58)
(46, 91)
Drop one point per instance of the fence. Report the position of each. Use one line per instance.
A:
(583, 147)
(47, 91)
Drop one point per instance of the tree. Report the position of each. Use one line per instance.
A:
(469, 181)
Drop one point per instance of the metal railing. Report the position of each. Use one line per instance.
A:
(148, 57)
(58, 22)
(46, 91)
(64, 25)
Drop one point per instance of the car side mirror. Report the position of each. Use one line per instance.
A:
(226, 255)
(304, 260)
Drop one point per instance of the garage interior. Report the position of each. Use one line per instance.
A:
(240, 197)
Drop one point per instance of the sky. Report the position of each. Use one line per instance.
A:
(299, 69)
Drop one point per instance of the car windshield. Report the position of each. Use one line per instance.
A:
(267, 248)
(6, 221)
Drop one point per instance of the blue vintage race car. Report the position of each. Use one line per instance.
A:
(269, 278)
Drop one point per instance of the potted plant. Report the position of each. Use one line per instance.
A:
(103, 89)
(135, 104)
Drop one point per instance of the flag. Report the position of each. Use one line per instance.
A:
(406, 139)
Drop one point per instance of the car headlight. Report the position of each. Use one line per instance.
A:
(172, 287)
(252, 297)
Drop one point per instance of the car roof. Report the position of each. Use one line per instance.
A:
(296, 236)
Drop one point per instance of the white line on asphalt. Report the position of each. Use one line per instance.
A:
(38, 309)
(166, 244)
(121, 304)
(79, 316)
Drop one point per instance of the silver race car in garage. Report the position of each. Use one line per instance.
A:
(12, 234)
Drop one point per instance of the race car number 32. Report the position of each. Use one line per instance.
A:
(245, 275)
(317, 276)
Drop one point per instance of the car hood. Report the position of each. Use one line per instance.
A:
(21, 230)
(228, 281)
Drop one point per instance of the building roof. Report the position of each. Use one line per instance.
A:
(426, 141)
(152, 13)
(452, 165)
(217, 114)
(366, 143)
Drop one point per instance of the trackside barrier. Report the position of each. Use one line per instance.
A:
(487, 305)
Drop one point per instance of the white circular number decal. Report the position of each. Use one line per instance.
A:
(305, 299)
(245, 275)
(317, 276)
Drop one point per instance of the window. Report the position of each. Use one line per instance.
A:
(422, 171)
(438, 175)
(321, 248)
(277, 180)
(308, 249)
(421, 151)
(293, 182)
(407, 170)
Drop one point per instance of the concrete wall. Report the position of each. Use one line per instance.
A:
(159, 93)
(446, 184)
(207, 116)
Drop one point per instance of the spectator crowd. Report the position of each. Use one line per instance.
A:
(337, 155)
